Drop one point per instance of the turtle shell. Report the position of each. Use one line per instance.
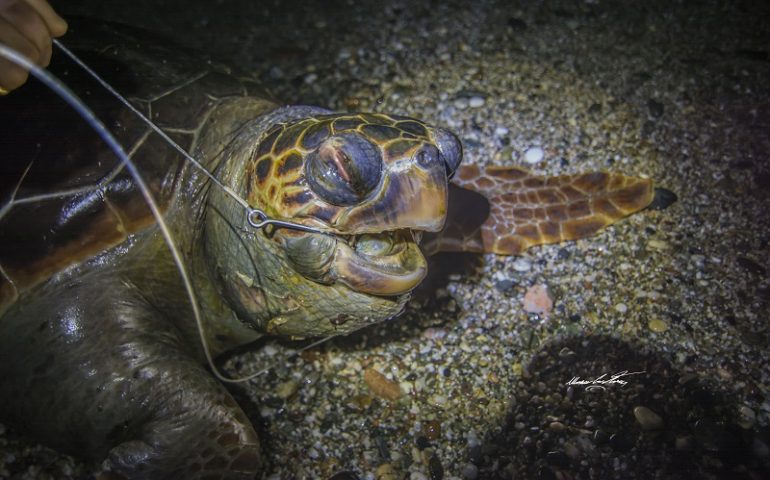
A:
(65, 196)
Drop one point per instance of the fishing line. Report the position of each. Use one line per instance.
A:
(255, 215)
(256, 218)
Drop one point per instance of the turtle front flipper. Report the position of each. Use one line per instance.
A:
(506, 210)
(91, 369)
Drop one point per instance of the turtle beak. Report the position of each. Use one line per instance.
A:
(450, 148)
(413, 196)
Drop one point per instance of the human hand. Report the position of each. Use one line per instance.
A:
(26, 26)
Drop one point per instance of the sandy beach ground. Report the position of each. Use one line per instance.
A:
(677, 297)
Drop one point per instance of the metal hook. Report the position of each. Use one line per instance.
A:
(259, 219)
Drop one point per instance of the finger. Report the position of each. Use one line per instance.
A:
(28, 22)
(11, 75)
(57, 26)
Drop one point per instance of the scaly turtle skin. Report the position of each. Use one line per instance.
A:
(99, 354)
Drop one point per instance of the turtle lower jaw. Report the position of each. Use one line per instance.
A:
(385, 264)
(382, 264)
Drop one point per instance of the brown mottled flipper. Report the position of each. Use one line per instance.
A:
(506, 210)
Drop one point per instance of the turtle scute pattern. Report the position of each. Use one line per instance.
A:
(520, 209)
(277, 171)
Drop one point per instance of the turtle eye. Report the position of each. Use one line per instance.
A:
(345, 169)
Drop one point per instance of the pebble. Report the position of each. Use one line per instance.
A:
(657, 325)
(385, 471)
(572, 451)
(431, 429)
(435, 469)
(538, 300)
(648, 419)
(621, 308)
(556, 426)
(601, 437)
(659, 245)
(470, 472)
(533, 155)
(501, 131)
(522, 264)
(346, 475)
(557, 458)
(683, 443)
(461, 103)
(746, 417)
(287, 389)
(381, 386)
(476, 102)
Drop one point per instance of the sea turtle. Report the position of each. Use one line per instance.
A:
(100, 356)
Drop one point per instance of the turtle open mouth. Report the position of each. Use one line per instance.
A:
(388, 263)
(382, 264)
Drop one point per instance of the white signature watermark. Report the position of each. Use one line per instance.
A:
(599, 383)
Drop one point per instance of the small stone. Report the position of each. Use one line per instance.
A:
(657, 325)
(538, 300)
(567, 354)
(386, 471)
(659, 245)
(556, 426)
(572, 451)
(435, 469)
(461, 103)
(346, 475)
(505, 284)
(431, 429)
(437, 400)
(621, 308)
(287, 389)
(601, 437)
(684, 443)
(746, 417)
(533, 155)
(381, 386)
(648, 419)
(522, 264)
(557, 458)
(476, 102)
(470, 471)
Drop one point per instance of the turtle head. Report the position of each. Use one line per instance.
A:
(373, 184)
